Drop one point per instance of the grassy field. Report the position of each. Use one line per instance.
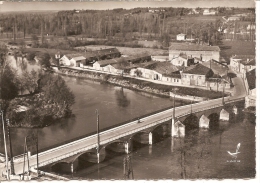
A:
(229, 48)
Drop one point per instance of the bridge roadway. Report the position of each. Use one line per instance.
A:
(87, 143)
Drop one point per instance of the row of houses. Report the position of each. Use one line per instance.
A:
(187, 64)
(195, 74)
(86, 58)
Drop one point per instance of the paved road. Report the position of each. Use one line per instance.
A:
(87, 143)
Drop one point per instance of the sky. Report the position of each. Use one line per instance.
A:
(111, 4)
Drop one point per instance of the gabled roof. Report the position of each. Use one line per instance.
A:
(181, 34)
(251, 77)
(192, 47)
(198, 69)
(217, 67)
(162, 67)
(79, 58)
(73, 55)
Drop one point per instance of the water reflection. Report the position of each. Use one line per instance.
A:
(121, 98)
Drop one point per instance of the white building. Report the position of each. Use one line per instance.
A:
(203, 52)
(209, 12)
(181, 37)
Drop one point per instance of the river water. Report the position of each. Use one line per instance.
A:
(115, 105)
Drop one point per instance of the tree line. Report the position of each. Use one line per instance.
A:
(125, 24)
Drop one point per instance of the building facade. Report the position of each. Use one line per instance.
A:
(203, 52)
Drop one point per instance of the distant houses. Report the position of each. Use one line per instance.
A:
(209, 12)
(181, 37)
(85, 58)
(203, 52)
(187, 65)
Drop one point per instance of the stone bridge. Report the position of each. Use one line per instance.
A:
(195, 116)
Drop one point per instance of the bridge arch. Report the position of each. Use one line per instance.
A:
(213, 121)
(191, 122)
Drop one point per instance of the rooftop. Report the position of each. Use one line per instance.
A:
(216, 67)
(162, 67)
(79, 58)
(197, 69)
(192, 47)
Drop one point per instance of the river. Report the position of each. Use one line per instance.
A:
(115, 105)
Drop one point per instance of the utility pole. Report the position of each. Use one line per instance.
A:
(26, 151)
(10, 146)
(6, 156)
(37, 152)
(223, 102)
(98, 138)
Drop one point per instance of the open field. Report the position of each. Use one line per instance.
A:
(229, 48)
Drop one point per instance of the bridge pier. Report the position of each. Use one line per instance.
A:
(71, 167)
(235, 111)
(204, 122)
(150, 138)
(224, 115)
(98, 158)
(178, 129)
(126, 147)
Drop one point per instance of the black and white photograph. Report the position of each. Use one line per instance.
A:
(128, 90)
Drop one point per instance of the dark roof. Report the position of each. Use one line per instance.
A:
(192, 47)
(251, 77)
(162, 67)
(103, 63)
(217, 67)
(197, 69)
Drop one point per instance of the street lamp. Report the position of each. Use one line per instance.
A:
(173, 111)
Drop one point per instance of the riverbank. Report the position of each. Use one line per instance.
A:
(184, 93)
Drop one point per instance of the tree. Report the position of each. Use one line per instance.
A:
(29, 81)
(138, 73)
(56, 90)
(8, 83)
(30, 56)
(44, 59)
(35, 40)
